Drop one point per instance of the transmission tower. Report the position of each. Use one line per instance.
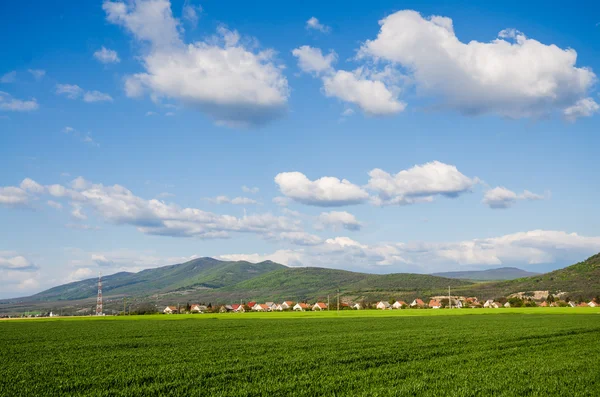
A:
(99, 300)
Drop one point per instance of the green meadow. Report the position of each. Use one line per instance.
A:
(468, 352)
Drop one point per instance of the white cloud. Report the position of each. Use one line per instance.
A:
(501, 197)
(252, 190)
(533, 247)
(585, 107)
(314, 24)
(338, 220)
(191, 13)
(8, 103)
(235, 201)
(513, 76)
(324, 192)
(85, 138)
(376, 93)
(37, 74)
(229, 81)
(9, 77)
(118, 205)
(29, 185)
(300, 238)
(96, 96)
(106, 55)
(420, 183)
(77, 211)
(82, 273)
(281, 201)
(54, 204)
(312, 60)
(72, 91)
(11, 261)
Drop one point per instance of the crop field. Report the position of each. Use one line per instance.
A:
(506, 352)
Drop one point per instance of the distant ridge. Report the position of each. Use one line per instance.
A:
(502, 273)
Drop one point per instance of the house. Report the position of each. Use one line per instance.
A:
(399, 304)
(592, 304)
(490, 304)
(507, 304)
(278, 308)
(251, 304)
(434, 304)
(261, 307)
(383, 305)
(238, 308)
(300, 307)
(571, 304)
(272, 305)
(417, 303)
(457, 304)
(197, 308)
(286, 305)
(472, 300)
(356, 306)
(170, 310)
(319, 306)
(544, 304)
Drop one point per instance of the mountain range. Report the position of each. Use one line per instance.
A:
(213, 281)
(502, 273)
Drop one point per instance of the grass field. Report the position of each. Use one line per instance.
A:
(503, 352)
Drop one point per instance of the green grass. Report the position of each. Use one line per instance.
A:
(469, 352)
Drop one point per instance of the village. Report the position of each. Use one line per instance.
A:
(434, 303)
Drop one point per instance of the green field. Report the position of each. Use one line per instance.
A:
(477, 352)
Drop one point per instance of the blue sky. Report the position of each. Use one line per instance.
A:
(394, 137)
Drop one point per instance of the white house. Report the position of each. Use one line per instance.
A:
(592, 304)
(300, 307)
(196, 308)
(417, 303)
(490, 304)
(398, 304)
(356, 306)
(458, 304)
(170, 310)
(287, 305)
(383, 305)
(572, 304)
(507, 304)
(435, 304)
(319, 306)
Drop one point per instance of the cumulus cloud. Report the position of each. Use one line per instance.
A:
(314, 24)
(118, 205)
(324, 192)
(585, 107)
(10, 261)
(501, 197)
(420, 183)
(533, 247)
(106, 55)
(513, 75)
(10, 104)
(37, 74)
(375, 92)
(338, 220)
(222, 77)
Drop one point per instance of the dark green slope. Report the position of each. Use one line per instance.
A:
(581, 279)
(503, 273)
(312, 282)
(201, 273)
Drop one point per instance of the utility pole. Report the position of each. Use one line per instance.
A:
(449, 298)
(124, 305)
(327, 302)
(338, 306)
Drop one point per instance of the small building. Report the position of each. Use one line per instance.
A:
(592, 304)
(300, 307)
(170, 310)
(457, 304)
(472, 300)
(286, 305)
(435, 304)
(383, 305)
(571, 304)
(319, 306)
(356, 306)
(251, 304)
(261, 307)
(238, 308)
(507, 304)
(490, 304)
(417, 303)
(197, 308)
(399, 305)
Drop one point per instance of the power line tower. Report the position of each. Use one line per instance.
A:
(99, 299)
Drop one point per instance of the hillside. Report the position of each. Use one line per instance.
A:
(500, 274)
(201, 273)
(579, 280)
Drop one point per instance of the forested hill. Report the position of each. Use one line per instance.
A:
(503, 273)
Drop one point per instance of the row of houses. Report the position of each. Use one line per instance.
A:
(381, 305)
